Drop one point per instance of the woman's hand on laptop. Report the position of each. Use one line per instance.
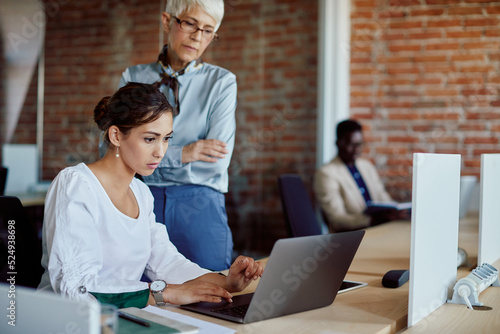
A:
(213, 287)
(242, 272)
(194, 291)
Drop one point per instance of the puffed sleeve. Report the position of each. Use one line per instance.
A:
(73, 251)
(165, 261)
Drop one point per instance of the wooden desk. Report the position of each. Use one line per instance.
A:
(31, 198)
(372, 309)
(375, 309)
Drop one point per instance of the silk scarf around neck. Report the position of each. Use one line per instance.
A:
(170, 80)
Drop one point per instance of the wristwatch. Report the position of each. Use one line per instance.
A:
(156, 288)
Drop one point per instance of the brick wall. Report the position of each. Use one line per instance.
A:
(424, 78)
(269, 45)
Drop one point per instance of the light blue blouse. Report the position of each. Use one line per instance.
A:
(207, 99)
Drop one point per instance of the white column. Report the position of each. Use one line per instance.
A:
(334, 32)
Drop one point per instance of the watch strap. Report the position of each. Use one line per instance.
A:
(159, 299)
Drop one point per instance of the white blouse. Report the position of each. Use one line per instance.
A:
(90, 246)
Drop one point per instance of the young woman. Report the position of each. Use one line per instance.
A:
(100, 233)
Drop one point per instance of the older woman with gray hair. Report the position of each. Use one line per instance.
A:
(190, 182)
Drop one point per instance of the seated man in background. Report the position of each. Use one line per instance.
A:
(347, 184)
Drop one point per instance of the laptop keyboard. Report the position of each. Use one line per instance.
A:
(234, 311)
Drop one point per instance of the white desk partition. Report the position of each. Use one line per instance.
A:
(434, 232)
(489, 210)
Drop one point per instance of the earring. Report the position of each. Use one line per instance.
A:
(117, 154)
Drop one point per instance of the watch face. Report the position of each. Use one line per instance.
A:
(158, 285)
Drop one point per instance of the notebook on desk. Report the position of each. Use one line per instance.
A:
(301, 274)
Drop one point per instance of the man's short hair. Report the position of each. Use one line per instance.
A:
(346, 127)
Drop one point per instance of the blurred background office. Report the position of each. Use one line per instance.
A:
(420, 75)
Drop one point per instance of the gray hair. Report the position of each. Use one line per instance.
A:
(214, 8)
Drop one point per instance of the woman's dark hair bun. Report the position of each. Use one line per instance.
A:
(101, 114)
(130, 106)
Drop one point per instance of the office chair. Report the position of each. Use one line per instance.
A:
(300, 216)
(3, 179)
(19, 259)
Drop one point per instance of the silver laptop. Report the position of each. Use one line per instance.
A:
(301, 274)
(29, 311)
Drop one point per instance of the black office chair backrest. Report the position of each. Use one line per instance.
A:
(3, 179)
(20, 248)
(300, 216)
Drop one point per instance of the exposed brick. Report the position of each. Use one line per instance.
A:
(411, 70)
(482, 45)
(483, 115)
(465, 10)
(472, 127)
(364, 3)
(391, 14)
(361, 15)
(463, 34)
(493, 10)
(492, 32)
(443, 116)
(427, 59)
(441, 2)
(398, 3)
(480, 140)
(478, 152)
(391, 150)
(393, 37)
(478, 91)
(383, 60)
(398, 48)
(444, 23)
(403, 116)
(443, 46)
(402, 139)
(425, 35)
(396, 104)
(481, 22)
(406, 25)
(428, 81)
(479, 57)
(481, 69)
(429, 104)
(391, 82)
(427, 12)
(465, 80)
(441, 92)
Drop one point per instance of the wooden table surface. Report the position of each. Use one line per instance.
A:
(371, 309)
(376, 309)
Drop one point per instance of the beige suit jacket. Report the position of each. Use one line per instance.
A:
(339, 196)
